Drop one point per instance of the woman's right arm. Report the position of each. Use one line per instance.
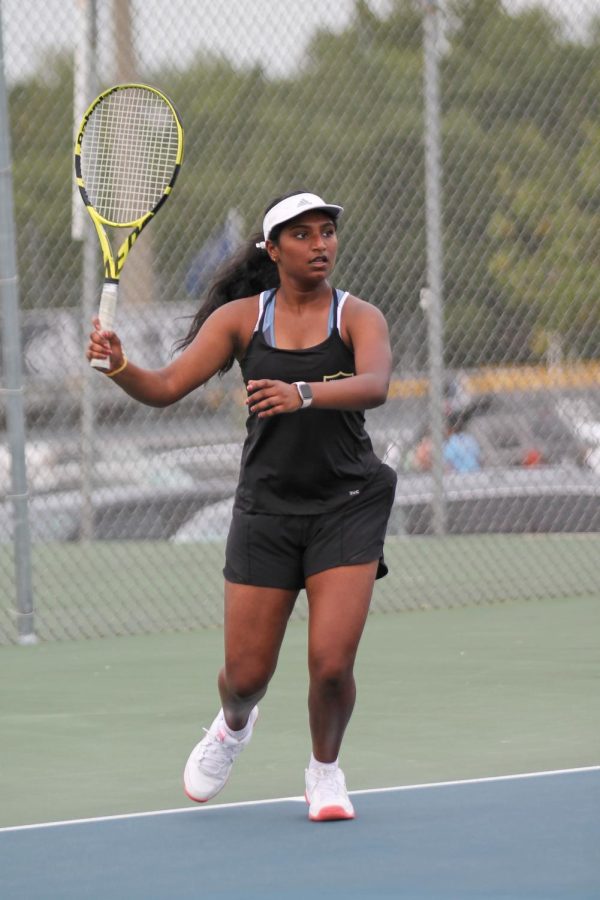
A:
(217, 341)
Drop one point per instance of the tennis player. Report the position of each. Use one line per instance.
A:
(313, 499)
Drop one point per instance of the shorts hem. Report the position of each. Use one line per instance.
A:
(382, 569)
(260, 583)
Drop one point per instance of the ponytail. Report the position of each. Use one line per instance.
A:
(249, 271)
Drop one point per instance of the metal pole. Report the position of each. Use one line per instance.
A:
(85, 89)
(432, 297)
(13, 376)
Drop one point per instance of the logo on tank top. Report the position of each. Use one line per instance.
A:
(337, 376)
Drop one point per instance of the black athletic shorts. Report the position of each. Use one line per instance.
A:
(282, 551)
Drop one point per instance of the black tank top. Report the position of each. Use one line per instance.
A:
(312, 460)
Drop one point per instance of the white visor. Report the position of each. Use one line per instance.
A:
(294, 206)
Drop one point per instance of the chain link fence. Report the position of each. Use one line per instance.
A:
(463, 140)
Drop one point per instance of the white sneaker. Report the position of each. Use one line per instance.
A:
(327, 795)
(210, 762)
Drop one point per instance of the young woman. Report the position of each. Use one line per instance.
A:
(313, 500)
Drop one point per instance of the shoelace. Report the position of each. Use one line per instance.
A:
(216, 752)
(330, 786)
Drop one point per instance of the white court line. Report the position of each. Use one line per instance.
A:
(243, 803)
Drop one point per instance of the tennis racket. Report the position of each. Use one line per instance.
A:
(128, 153)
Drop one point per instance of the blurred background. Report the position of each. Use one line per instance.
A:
(463, 139)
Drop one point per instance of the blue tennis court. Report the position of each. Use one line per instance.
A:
(509, 838)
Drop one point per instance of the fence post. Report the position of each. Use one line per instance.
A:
(85, 89)
(13, 376)
(432, 296)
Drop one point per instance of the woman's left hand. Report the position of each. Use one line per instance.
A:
(271, 398)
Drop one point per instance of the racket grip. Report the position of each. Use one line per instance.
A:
(106, 314)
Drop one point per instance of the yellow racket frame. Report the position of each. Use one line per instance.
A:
(114, 264)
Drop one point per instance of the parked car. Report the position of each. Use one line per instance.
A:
(564, 498)
(119, 512)
(209, 523)
(57, 464)
(524, 429)
(581, 415)
(500, 501)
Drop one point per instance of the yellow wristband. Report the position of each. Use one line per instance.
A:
(120, 369)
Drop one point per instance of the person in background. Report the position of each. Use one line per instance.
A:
(313, 499)
(461, 450)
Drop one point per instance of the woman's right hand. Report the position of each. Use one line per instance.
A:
(105, 345)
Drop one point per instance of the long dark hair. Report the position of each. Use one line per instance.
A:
(249, 271)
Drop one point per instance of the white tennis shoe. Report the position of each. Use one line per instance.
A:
(210, 762)
(327, 795)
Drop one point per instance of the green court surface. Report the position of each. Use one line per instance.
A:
(103, 727)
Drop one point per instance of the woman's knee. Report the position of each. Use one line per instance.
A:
(330, 673)
(245, 681)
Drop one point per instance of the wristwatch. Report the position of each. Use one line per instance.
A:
(306, 394)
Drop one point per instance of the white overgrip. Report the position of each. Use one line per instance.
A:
(106, 314)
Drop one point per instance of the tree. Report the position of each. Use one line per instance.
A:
(521, 191)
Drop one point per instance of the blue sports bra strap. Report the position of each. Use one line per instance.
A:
(267, 324)
(332, 312)
(337, 307)
(341, 298)
(264, 301)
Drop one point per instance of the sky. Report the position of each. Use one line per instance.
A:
(274, 34)
(246, 31)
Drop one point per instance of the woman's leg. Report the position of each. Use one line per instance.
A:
(255, 623)
(338, 602)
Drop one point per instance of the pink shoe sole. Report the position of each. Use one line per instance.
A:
(195, 799)
(330, 813)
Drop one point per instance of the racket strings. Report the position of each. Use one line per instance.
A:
(129, 153)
